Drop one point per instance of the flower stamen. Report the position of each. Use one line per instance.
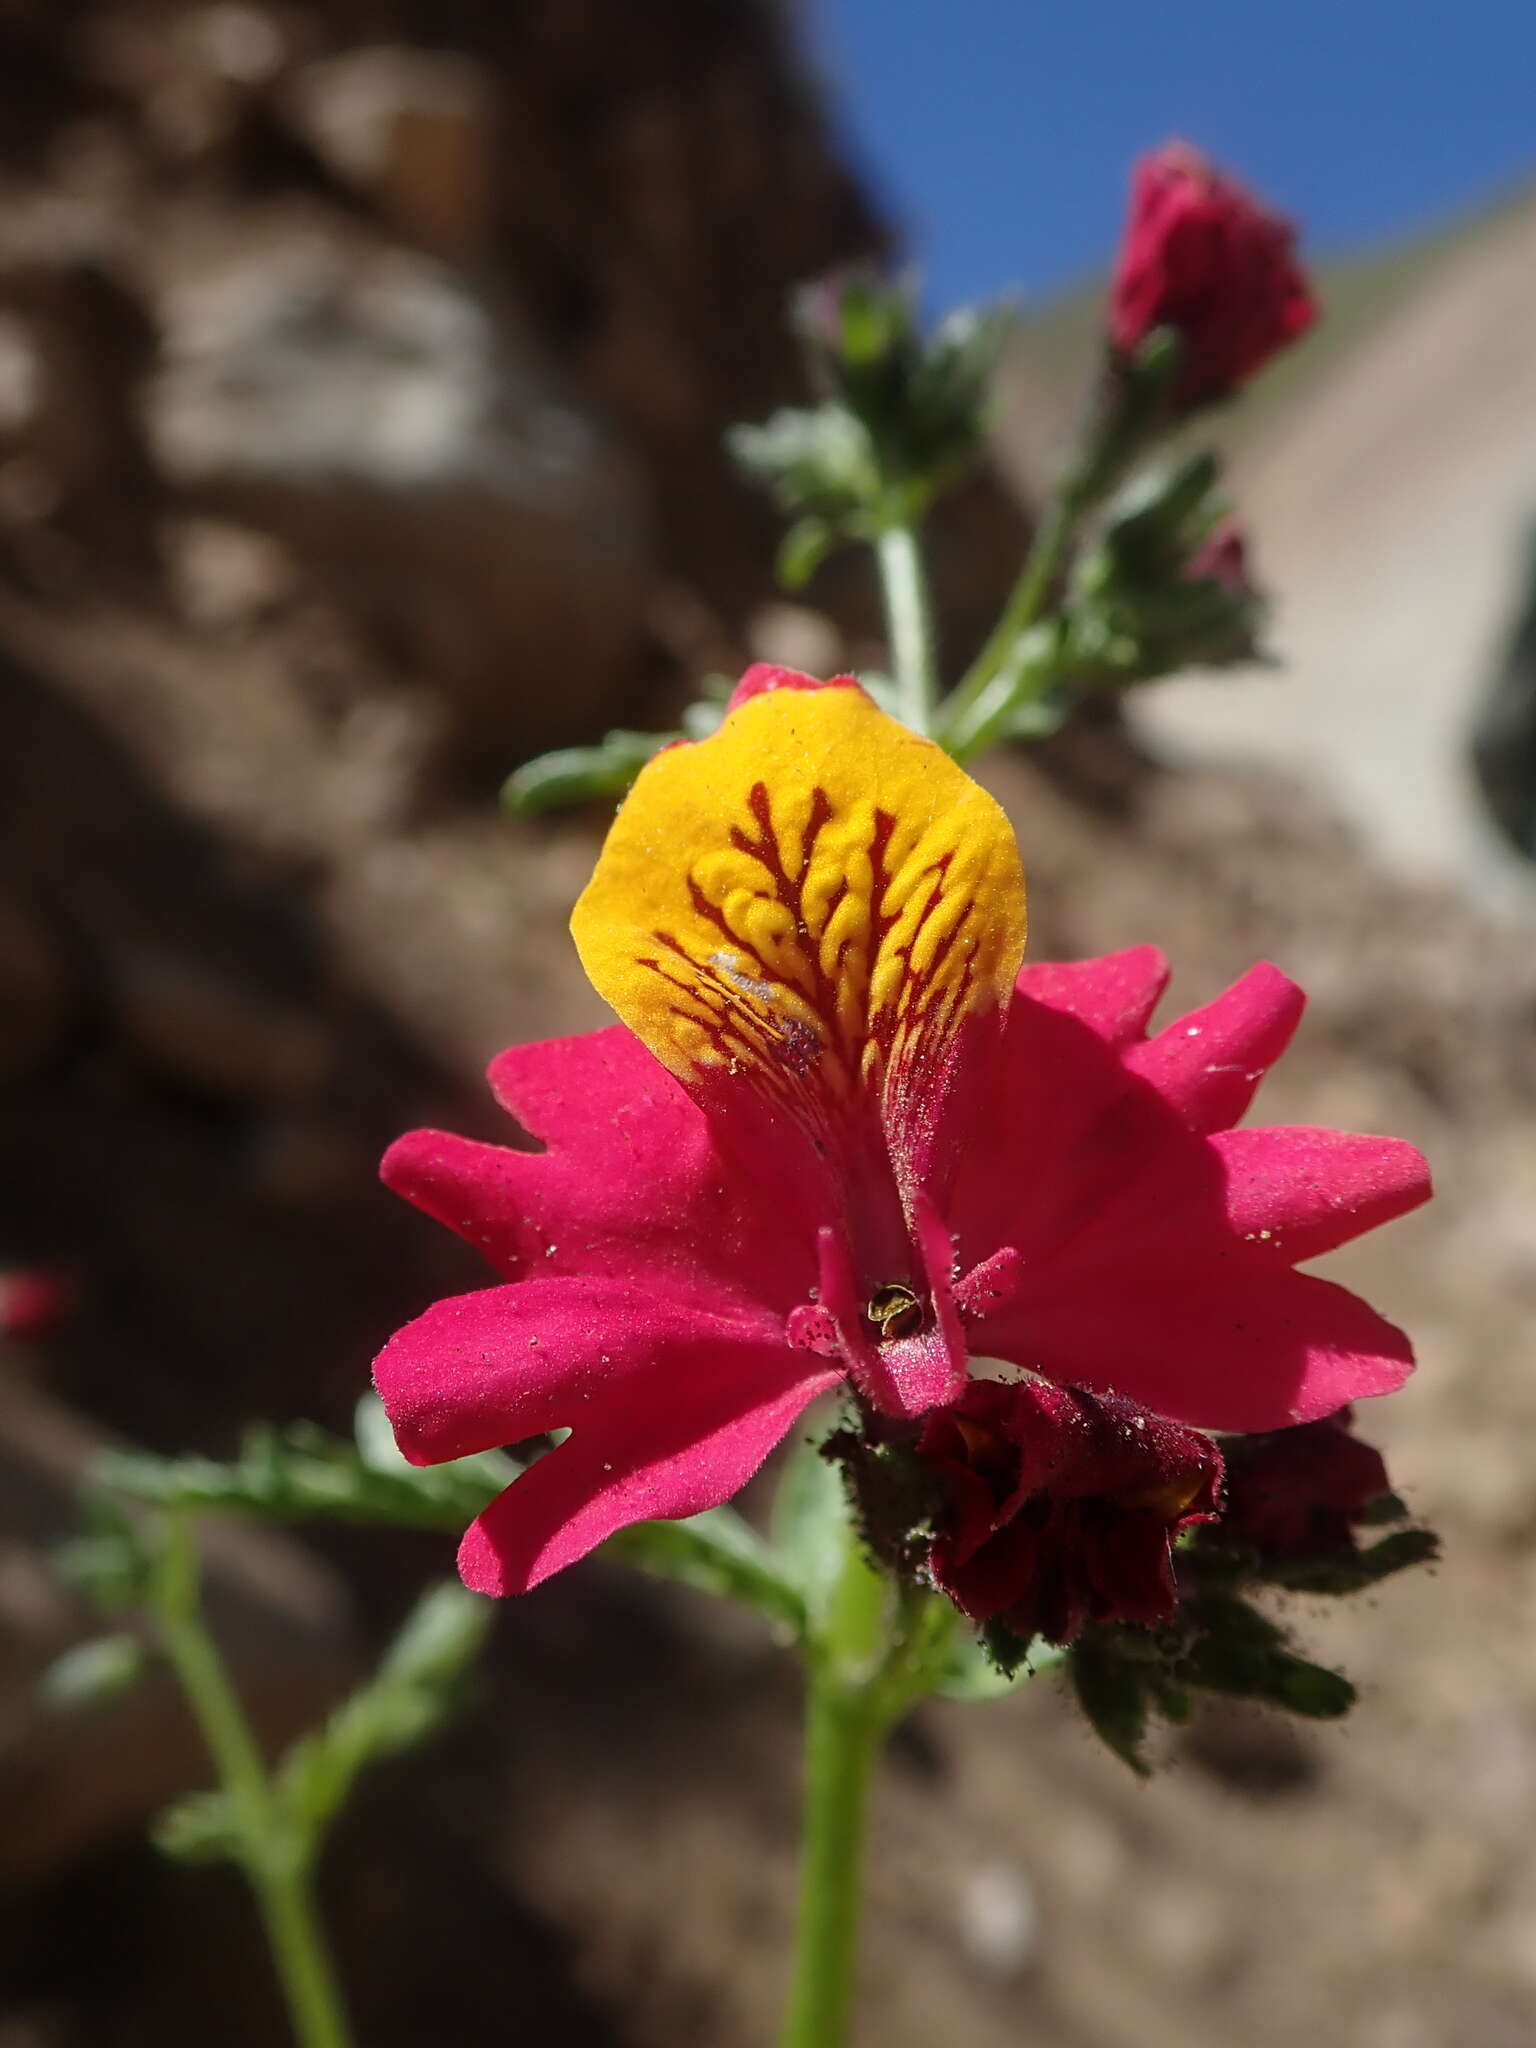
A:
(895, 1310)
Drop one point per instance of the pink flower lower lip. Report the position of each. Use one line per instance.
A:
(1154, 1254)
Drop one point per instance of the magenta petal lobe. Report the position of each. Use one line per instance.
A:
(1207, 1065)
(1115, 995)
(479, 1370)
(1304, 1192)
(481, 1191)
(640, 1462)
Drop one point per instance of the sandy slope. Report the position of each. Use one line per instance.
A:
(1390, 507)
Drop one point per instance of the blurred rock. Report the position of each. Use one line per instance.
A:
(227, 576)
(1000, 1919)
(33, 984)
(414, 130)
(196, 73)
(794, 636)
(310, 1161)
(410, 446)
(217, 1032)
(21, 376)
(73, 344)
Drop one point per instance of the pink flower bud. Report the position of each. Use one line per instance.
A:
(1202, 256)
(1222, 557)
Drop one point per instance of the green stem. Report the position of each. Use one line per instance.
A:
(909, 624)
(873, 1653)
(1027, 675)
(1133, 409)
(274, 1863)
(976, 709)
(845, 1727)
(304, 1967)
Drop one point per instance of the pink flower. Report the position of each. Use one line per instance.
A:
(840, 1138)
(1062, 1507)
(1202, 256)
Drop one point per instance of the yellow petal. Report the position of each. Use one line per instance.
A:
(813, 900)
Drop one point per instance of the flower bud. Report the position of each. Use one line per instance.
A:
(1202, 256)
(861, 336)
(1222, 615)
(1297, 1500)
(1303, 1492)
(1166, 585)
(1222, 559)
(921, 400)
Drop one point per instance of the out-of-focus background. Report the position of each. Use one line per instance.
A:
(363, 375)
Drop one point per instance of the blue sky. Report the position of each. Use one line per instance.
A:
(998, 132)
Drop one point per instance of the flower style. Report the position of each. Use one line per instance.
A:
(840, 1138)
(1202, 256)
(1063, 1506)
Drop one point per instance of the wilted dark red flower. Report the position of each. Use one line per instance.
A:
(1063, 1505)
(1298, 1494)
(1202, 256)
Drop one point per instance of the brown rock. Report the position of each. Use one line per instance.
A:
(413, 129)
(216, 1032)
(406, 440)
(33, 984)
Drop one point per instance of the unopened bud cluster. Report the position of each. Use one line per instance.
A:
(1165, 586)
(1054, 1516)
